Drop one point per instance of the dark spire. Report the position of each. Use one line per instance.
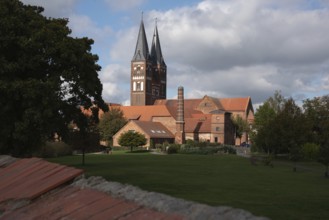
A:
(156, 54)
(142, 49)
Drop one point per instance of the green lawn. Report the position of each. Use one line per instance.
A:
(229, 180)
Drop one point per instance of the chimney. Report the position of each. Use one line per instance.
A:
(180, 123)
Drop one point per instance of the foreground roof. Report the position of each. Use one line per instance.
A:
(36, 189)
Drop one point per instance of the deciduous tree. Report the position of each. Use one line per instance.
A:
(263, 128)
(241, 126)
(111, 122)
(45, 76)
(132, 139)
(317, 115)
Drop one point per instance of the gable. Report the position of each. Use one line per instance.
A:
(207, 105)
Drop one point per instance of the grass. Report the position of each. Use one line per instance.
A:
(227, 180)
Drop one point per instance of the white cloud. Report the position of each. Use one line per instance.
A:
(245, 48)
(83, 25)
(116, 84)
(54, 8)
(221, 48)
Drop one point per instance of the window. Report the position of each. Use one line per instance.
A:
(216, 139)
(217, 129)
(134, 86)
(138, 86)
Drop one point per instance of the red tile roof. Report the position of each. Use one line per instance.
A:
(227, 104)
(235, 104)
(196, 125)
(154, 129)
(145, 113)
(28, 179)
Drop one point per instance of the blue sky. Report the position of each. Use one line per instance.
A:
(220, 48)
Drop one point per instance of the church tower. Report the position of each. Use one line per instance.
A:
(148, 71)
(159, 82)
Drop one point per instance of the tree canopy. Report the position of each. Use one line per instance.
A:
(45, 76)
(281, 126)
(132, 139)
(241, 125)
(111, 122)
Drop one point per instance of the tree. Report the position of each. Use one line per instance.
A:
(317, 115)
(132, 139)
(266, 132)
(324, 157)
(292, 129)
(280, 127)
(45, 76)
(85, 137)
(241, 126)
(263, 128)
(276, 102)
(111, 122)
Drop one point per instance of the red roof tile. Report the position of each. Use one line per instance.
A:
(145, 113)
(227, 104)
(29, 178)
(154, 129)
(235, 104)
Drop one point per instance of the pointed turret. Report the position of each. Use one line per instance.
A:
(156, 53)
(142, 49)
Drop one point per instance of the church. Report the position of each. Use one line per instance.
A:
(175, 120)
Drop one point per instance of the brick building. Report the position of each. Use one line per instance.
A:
(175, 120)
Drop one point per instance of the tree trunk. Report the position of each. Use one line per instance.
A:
(83, 156)
(295, 167)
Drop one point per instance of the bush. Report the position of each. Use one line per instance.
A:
(208, 150)
(55, 149)
(173, 149)
(310, 151)
(228, 149)
(119, 148)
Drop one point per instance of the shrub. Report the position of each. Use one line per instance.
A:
(55, 149)
(208, 150)
(173, 149)
(310, 151)
(228, 149)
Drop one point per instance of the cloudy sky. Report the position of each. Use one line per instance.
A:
(220, 48)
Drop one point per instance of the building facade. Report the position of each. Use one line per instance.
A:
(161, 120)
(148, 70)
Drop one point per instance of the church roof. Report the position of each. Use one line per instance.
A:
(156, 53)
(222, 104)
(142, 50)
(144, 113)
(198, 125)
(235, 104)
(154, 129)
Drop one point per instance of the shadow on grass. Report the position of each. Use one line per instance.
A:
(137, 151)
